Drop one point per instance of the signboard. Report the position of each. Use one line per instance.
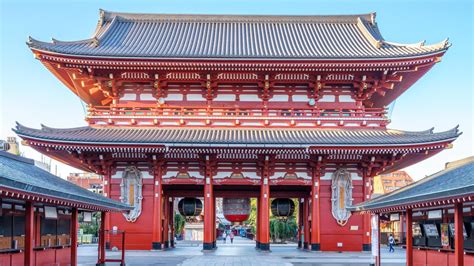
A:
(416, 229)
(444, 235)
(50, 212)
(87, 216)
(431, 230)
(451, 228)
(435, 214)
(375, 235)
(395, 217)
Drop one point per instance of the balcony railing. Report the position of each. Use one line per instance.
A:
(183, 115)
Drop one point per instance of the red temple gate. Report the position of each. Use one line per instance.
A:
(238, 106)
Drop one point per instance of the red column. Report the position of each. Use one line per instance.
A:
(409, 250)
(257, 235)
(103, 218)
(265, 205)
(306, 234)
(458, 235)
(172, 223)
(29, 233)
(300, 223)
(108, 194)
(166, 222)
(378, 261)
(315, 217)
(366, 240)
(208, 213)
(214, 233)
(73, 235)
(157, 237)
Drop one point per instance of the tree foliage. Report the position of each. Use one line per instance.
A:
(179, 222)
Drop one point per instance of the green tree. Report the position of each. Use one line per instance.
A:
(179, 222)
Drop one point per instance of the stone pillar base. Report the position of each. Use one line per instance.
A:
(207, 246)
(315, 247)
(156, 245)
(366, 247)
(265, 246)
(305, 245)
(300, 244)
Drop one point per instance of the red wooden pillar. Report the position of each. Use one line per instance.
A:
(265, 205)
(157, 236)
(257, 235)
(366, 239)
(315, 216)
(73, 235)
(172, 223)
(208, 206)
(458, 235)
(166, 222)
(102, 234)
(300, 223)
(108, 194)
(214, 228)
(409, 250)
(306, 234)
(29, 233)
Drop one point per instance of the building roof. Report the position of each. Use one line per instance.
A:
(22, 176)
(165, 36)
(453, 182)
(266, 137)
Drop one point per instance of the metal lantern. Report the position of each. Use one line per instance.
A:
(190, 207)
(236, 210)
(283, 207)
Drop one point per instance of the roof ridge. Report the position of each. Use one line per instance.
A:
(17, 157)
(347, 18)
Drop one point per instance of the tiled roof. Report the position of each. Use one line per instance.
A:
(20, 174)
(235, 136)
(452, 182)
(237, 37)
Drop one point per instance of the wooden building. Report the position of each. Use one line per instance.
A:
(237, 107)
(439, 215)
(39, 214)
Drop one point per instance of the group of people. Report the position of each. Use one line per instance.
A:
(231, 235)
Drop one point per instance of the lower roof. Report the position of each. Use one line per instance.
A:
(20, 175)
(452, 182)
(239, 137)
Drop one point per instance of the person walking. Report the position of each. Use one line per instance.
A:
(391, 242)
(231, 237)
(224, 236)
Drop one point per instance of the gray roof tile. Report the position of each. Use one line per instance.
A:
(21, 174)
(239, 136)
(237, 37)
(454, 182)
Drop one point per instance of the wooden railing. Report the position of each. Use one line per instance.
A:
(158, 114)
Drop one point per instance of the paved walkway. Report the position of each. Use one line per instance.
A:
(242, 252)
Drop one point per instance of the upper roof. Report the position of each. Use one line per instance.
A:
(251, 137)
(452, 182)
(163, 36)
(21, 175)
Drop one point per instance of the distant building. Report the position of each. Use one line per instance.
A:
(389, 182)
(89, 181)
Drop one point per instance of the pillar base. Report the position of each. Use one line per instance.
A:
(100, 264)
(366, 247)
(166, 244)
(156, 245)
(172, 244)
(207, 246)
(300, 244)
(315, 247)
(107, 245)
(257, 244)
(305, 245)
(265, 246)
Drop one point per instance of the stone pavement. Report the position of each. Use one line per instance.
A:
(241, 253)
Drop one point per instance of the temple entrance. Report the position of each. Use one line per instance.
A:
(234, 216)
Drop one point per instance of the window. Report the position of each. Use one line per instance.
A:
(6, 227)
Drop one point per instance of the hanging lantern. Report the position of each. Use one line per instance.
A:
(236, 210)
(190, 207)
(283, 207)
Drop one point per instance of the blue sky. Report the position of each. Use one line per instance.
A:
(442, 99)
